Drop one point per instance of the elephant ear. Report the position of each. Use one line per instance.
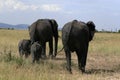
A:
(54, 26)
(54, 23)
(91, 27)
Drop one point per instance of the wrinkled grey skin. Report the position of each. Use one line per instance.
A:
(43, 30)
(36, 50)
(24, 47)
(75, 37)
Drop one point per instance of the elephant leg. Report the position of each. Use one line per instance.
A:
(33, 61)
(56, 44)
(51, 47)
(79, 56)
(37, 58)
(26, 55)
(21, 53)
(68, 58)
(43, 54)
(84, 58)
(33, 57)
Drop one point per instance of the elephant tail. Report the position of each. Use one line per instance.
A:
(68, 34)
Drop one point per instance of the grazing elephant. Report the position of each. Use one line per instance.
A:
(43, 30)
(36, 50)
(75, 37)
(24, 47)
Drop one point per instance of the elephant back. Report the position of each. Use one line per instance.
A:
(66, 31)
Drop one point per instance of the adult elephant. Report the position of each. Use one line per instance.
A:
(75, 37)
(43, 30)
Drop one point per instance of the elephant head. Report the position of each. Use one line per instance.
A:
(91, 27)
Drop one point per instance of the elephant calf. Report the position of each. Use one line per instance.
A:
(24, 47)
(36, 50)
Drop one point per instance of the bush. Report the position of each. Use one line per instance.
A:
(118, 31)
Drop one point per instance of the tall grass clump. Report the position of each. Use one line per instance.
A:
(8, 57)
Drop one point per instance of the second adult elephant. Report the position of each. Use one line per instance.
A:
(43, 30)
(75, 37)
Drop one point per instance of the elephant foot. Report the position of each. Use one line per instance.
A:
(70, 71)
(33, 61)
(55, 55)
(83, 70)
(26, 56)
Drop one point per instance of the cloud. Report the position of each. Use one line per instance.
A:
(50, 7)
(12, 5)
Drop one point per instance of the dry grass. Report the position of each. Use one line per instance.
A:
(103, 61)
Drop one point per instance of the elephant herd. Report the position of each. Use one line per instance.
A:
(76, 36)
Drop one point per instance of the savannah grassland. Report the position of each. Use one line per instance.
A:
(103, 62)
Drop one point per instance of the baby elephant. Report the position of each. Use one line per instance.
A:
(24, 47)
(36, 50)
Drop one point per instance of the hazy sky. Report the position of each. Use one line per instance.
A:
(104, 13)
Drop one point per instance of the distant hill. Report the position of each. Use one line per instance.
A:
(18, 26)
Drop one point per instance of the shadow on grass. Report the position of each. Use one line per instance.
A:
(98, 71)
